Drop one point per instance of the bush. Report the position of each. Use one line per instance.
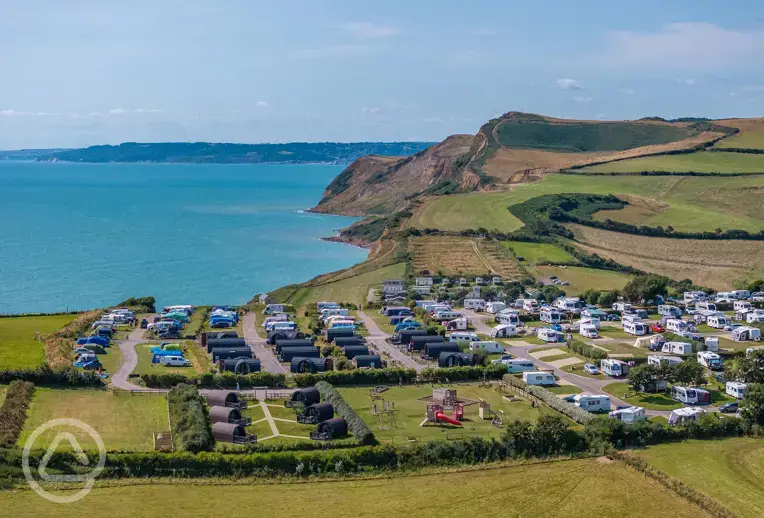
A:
(209, 380)
(190, 424)
(13, 413)
(358, 377)
(493, 371)
(45, 375)
(356, 425)
(587, 350)
(572, 411)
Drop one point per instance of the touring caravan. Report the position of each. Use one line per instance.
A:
(548, 334)
(635, 328)
(735, 389)
(489, 346)
(475, 304)
(621, 306)
(705, 305)
(740, 294)
(742, 334)
(273, 308)
(690, 395)
(495, 307)
(593, 403)
(692, 297)
(685, 414)
(463, 337)
(457, 324)
(503, 331)
(670, 311)
(320, 306)
(712, 343)
(281, 317)
(677, 348)
(676, 325)
(331, 312)
(754, 316)
(718, 321)
(508, 317)
(528, 305)
(440, 316)
(630, 414)
(517, 366)
(568, 304)
(539, 378)
(552, 315)
(741, 306)
(614, 368)
(658, 360)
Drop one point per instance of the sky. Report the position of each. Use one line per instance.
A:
(86, 72)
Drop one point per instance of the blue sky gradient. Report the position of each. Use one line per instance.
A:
(86, 72)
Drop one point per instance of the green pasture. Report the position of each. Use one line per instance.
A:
(18, 347)
(535, 253)
(699, 162)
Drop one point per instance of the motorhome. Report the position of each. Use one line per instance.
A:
(718, 321)
(457, 324)
(677, 348)
(593, 403)
(440, 316)
(658, 360)
(705, 305)
(742, 306)
(552, 315)
(539, 378)
(548, 334)
(670, 311)
(710, 360)
(330, 312)
(755, 316)
(503, 331)
(741, 334)
(508, 317)
(630, 414)
(613, 367)
(740, 294)
(463, 337)
(573, 304)
(635, 328)
(676, 325)
(517, 366)
(273, 308)
(621, 306)
(495, 307)
(751, 350)
(529, 305)
(735, 389)
(588, 330)
(693, 297)
(488, 346)
(475, 304)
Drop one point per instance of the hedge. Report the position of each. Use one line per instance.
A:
(554, 401)
(493, 371)
(358, 377)
(190, 424)
(356, 425)
(587, 350)
(208, 380)
(45, 375)
(13, 413)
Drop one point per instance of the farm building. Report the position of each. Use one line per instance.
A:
(330, 429)
(317, 413)
(224, 414)
(331, 334)
(287, 353)
(351, 351)
(217, 343)
(306, 396)
(300, 342)
(343, 341)
(231, 433)
(230, 352)
(434, 350)
(302, 365)
(417, 343)
(239, 365)
(370, 361)
(452, 359)
(226, 399)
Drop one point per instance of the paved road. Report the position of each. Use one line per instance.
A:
(379, 339)
(268, 361)
(129, 362)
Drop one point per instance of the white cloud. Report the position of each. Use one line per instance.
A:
(582, 99)
(149, 110)
(261, 104)
(687, 45)
(328, 52)
(569, 84)
(627, 91)
(687, 82)
(94, 114)
(370, 111)
(732, 94)
(12, 113)
(368, 30)
(118, 111)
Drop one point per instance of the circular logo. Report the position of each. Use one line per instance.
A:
(63, 436)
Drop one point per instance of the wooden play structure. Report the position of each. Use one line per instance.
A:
(485, 412)
(382, 408)
(442, 400)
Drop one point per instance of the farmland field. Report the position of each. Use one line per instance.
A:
(123, 422)
(749, 140)
(731, 471)
(699, 162)
(535, 253)
(18, 347)
(686, 203)
(582, 279)
(713, 263)
(563, 488)
(460, 256)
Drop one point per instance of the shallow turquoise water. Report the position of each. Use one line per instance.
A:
(76, 236)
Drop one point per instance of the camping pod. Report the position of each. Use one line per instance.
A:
(234, 352)
(344, 341)
(301, 342)
(224, 414)
(302, 365)
(240, 365)
(317, 413)
(225, 398)
(331, 334)
(433, 350)
(404, 336)
(370, 361)
(305, 396)
(232, 433)
(330, 429)
(351, 351)
(287, 353)
(217, 343)
(217, 336)
(453, 359)
(417, 343)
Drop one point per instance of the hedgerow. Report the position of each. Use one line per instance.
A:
(587, 350)
(356, 425)
(13, 413)
(577, 414)
(358, 377)
(208, 380)
(190, 424)
(45, 375)
(493, 371)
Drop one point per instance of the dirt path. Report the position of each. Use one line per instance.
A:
(483, 259)
(268, 361)
(379, 339)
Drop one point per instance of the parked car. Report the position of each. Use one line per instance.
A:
(719, 378)
(144, 323)
(729, 408)
(505, 358)
(556, 327)
(732, 327)
(553, 277)
(657, 328)
(590, 368)
(612, 317)
(92, 365)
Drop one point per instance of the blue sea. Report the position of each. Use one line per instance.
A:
(78, 236)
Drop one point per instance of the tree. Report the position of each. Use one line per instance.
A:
(646, 287)
(550, 435)
(608, 298)
(642, 375)
(552, 292)
(752, 406)
(748, 370)
(591, 296)
(688, 372)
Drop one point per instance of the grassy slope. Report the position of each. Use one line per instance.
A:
(694, 203)
(701, 162)
(749, 140)
(730, 470)
(535, 253)
(18, 348)
(575, 488)
(582, 279)
(123, 422)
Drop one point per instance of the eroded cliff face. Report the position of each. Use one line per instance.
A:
(382, 185)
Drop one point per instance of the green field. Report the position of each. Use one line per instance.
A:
(145, 366)
(410, 412)
(578, 370)
(563, 488)
(745, 140)
(284, 419)
(18, 347)
(112, 360)
(535, 253)
(699, 162)
(649, 401)
(582, 279)
(731, 471)
(124, 422)
(686, 203)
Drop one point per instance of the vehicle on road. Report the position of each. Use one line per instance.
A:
(590, 368)
(729, 408)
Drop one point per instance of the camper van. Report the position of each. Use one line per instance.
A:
(710, 360)
(174, 361)
(463, 337)
(658, 360)
(588, 330)
(718, 321)
(529, 305)
(614, 368)
(676, 325)
(741, 306)
(552, 315)
(629, 415)
(489, 346)
(690, 395)
(273, 308)
(517, 366)
(474, 304)
(742, 334)
(503, 331)
(635, 328)
(539, 378)
(667, 310)
(495, 307)
(548, 334)
(735, 389)
(508, 317)
(593, 403)
(677, 348)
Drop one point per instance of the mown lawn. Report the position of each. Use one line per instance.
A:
(112, 360)
(658, 401)
(123, 422)
(18, 347)
(535, 253)
(730, 471)
(545, 489)
(146, 367)
(700, 162)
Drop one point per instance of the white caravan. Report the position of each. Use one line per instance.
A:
(710, 360)
(614, 368)
(630, 414)
(718, 321)
(548, 334)
(677, 348)
(670, 311)
(742, 334)
(495, 307)
(508, 317)
(475, 304)
(551, 315)
(635, 328)
(463, 337)
(676, 325)
(593, 403)
(539, 378)
(735, 389)
(658, 360)
(503, 331)
(517, 366)
(489, 346)
(588, 330)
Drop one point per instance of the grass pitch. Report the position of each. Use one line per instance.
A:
(18, 347)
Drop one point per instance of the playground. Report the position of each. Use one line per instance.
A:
(402, 414)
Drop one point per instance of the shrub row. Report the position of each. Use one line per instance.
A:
(358, 377)
(565, 408)
(209, 380)
(356, 425)
(45, 375)
(190, 424)
(13, 413)
(587, 350)
(493, 371)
